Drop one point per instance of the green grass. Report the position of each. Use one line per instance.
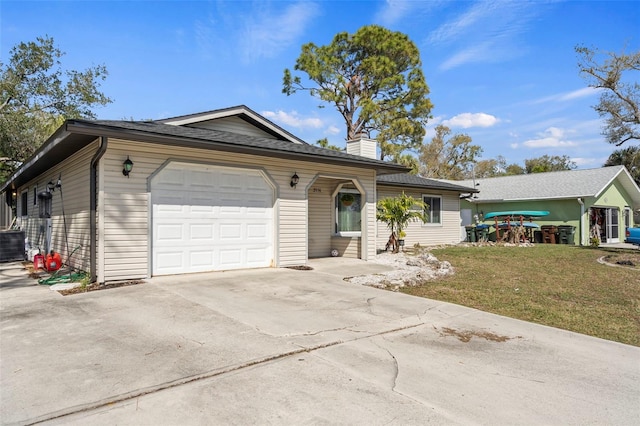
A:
(556, 285)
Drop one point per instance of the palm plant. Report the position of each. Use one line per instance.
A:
(397, 213)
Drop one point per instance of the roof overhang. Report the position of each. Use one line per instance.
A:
(628, 184)
(74, 135)
(407, 180)
(460, 190)
(242, 112)
(59, 146)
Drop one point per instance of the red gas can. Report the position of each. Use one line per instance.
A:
(38, 261)
(53, 261)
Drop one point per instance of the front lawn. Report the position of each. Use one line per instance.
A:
(556, 285)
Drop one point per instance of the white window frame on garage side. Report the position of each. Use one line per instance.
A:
(426, 198)
(627, 216)
(336, 196)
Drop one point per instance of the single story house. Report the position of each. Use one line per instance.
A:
(218, 190)
(595, 202)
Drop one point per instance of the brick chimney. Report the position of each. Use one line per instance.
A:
(363, 146)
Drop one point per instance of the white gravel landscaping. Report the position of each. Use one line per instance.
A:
(409, 270)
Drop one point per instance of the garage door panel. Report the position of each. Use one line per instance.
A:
(230, 231)
(202, 232)
(256, 255)
(168, 260)
(257, 231)
(259, 211)
(231, 258)
(201, 258)
(209, 218)
(170, 232)
(207, 211)
(229, 209)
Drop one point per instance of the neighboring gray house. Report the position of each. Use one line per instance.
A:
(594, 201)
(217, 190)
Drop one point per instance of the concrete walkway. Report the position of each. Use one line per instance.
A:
(281, 346)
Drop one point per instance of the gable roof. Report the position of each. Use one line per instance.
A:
(413, 181)
(240, 111)
(554, 185)
(76, 134)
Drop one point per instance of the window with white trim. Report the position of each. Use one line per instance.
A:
(433, 209)
(348, 217)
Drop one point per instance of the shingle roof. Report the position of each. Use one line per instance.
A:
(552, 185)
(217, 137)
(75, 134)
(409, 180)
(240, 111)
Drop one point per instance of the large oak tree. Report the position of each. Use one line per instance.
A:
(616, 75)
(448, 156)
(37, 95)
(374, 79)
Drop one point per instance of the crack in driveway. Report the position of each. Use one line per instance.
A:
(197, 377)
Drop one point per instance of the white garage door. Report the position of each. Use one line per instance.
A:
(210, 218)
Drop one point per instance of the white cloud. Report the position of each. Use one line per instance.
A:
(332, 130)
(267, 34)
(580, 93)
(467, 120)
(486, 32)
(293, 119)
(568, 96)
(553, 137)
(392, 12)
(473, 54)
(457, 27)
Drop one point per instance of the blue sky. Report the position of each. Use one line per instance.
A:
(503, 72)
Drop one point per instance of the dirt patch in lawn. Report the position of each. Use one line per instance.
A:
(624, 259)
(466, 335)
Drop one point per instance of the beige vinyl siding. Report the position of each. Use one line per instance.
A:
(347, 246)
(233, 125)
(320, 217)
(447, 232)
(6, 215)
(74, 174)
(125, 217)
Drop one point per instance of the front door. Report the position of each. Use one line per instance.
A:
(605, 224)
(613, 232)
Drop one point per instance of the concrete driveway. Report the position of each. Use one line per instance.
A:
(281, 346)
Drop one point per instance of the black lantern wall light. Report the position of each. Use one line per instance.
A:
(127, 166)
(294, 180)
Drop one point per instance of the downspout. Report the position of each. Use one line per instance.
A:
(93, 203)
(581, 221)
